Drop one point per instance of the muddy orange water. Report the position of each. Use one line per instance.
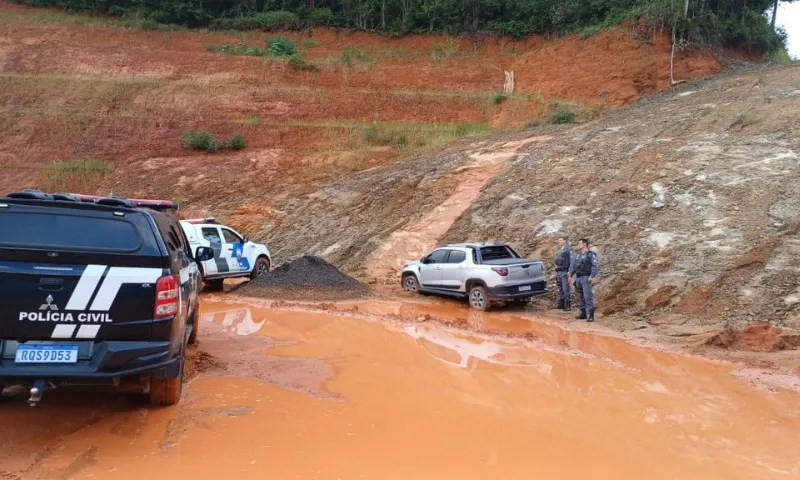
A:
(288, 394)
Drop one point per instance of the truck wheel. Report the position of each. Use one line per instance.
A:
(410, 283)
(260, 269)
(478, 299)
(214, 285)
(167, 391)
(195, 328)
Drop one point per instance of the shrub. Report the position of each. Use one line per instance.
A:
(199, 140)
(562, 115)
(76, 174)
(239, 49)
(499, 98)
(237, 23)
(279, 20)
(778, 56)
(280, 47)
(322, 17)
(236, 142)
(514, 28)
(297, 62)
(352, 56)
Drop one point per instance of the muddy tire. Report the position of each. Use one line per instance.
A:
(195, 328)
(261, 268)
(478, 299)
(214, 285)
(167, 391)
(410, 283)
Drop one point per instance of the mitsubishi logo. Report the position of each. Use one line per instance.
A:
(49, 305)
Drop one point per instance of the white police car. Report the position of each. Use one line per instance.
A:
(235, 256)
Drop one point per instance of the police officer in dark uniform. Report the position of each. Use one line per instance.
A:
(563, 264)
(582, 275)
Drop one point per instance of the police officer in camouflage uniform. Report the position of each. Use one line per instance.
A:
(582, 275)
(563, 265)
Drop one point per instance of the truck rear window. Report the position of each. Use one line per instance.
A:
(496, 253)
(68, 232)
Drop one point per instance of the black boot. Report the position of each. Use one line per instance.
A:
(582, 316)
(567, 305)
(560, 305)
(591, 315)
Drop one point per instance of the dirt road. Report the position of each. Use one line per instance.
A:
(350, 393)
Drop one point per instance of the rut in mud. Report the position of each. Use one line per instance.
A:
(411, 242)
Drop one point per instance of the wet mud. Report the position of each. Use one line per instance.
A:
(376, 390)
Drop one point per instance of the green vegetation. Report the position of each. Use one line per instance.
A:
(280, 47)
(499, 98)
(410, 136)
(204, 141)
(68, 175)
(779, 56)
(252, 120)
(297, 62)
(239, 49)
(731, 22)
(199, 140)
(562, 115)
(353, 56)
(236, 142)
(273, 47)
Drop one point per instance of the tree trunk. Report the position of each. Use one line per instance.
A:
(686, 9)
(672, 81)
(383, 15)
(774, 14)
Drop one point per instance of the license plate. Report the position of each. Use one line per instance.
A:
(46, 354)
(524, 288)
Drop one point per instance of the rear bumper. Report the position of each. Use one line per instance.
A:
(513, 291)
(96, 361)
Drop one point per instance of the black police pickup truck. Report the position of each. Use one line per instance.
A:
(95, 290)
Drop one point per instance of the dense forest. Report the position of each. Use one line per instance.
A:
(740, 23)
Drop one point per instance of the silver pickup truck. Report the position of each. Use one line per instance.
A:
(481, 272)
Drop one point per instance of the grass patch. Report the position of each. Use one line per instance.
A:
(298, 62)
(498, 98)
(352, 56)
(236, 142)
(411, 137)
(308, 42)
(199, 140)
(74, 175)
(563, 115)
(239, 49)
(742, 119)
(252, 120)
(445, 49)
(779, 57)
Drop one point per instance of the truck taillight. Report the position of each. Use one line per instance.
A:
(166, 296)
(502, 271)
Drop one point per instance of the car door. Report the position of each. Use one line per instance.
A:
(453, 270)
(430, 272)
(218, 264)
(234, 251)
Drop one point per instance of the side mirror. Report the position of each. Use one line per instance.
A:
(203, 253)
(424, 260)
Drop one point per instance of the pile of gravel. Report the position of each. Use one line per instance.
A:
(306, 277)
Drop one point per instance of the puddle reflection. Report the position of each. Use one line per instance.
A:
(237, 320)
(464, 351)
